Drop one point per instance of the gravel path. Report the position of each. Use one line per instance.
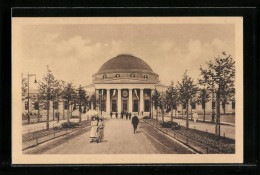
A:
(118, 139)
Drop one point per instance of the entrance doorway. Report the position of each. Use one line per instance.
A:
(114, 106)
(135, 109)
(125, 105)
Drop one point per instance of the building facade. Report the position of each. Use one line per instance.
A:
(125, 83)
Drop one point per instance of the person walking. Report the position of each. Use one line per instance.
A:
(57, 115)
(122, 115)
(130, 115)
(195, 117)
(100, 130)
(135, 122)
(94, 129)
(111, 114)
(126, 115)
(116, 115)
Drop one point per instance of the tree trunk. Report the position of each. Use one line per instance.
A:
(162, 113)
(175, 113)
(71, 110)
(48, 115)
(68, 113)
(171, 114)
(79, 114)
(53, 118)
(204, 112)
(213, 110)
(157, 110)
(38, 117)
(224, 108)
(187, 115)
(217, 129)
(191, 117)
(182, 112)
(63, 116)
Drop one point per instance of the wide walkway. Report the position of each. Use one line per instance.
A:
(227, 130)
(118, 139)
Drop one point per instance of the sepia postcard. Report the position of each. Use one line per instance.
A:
(127, 90)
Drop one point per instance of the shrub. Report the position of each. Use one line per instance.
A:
(146, 117)
(175, 126)
(169, 124)
(69, 125)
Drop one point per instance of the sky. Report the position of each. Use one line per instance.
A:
(74, 52)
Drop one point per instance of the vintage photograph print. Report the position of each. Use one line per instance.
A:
(127, 90)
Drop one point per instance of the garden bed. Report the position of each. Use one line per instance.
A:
(221, 144)
(45, 132)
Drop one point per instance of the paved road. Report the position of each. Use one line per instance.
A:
(118, 139)
(229, 130)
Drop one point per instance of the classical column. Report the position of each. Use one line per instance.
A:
(108, 101)
(119, 101)
(130, 100)
(141, 100)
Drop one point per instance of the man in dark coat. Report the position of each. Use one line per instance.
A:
(111, 114)
(116, 115)
(130, 115)
(126, 116)
(122, 114)
(135, 122)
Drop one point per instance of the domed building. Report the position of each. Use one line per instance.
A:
(125, 83)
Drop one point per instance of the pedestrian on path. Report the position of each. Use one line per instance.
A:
(126, 116)
(101, 129)
(58, 116)
(94, 129)
(130, 115)
(135, 122)
(116, 115)
(122, 115)
(111, 114)
(195, 117)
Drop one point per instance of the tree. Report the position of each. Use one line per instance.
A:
(57, 94)
(220, 74)
(24, 88)
(203, 98)
(82, 99)
(93, 100)
(157, 100)
(47, 91)
(69, 94)
(172, 98)
(193, 102)
(187, 90)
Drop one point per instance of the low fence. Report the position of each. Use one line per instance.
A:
(191, 143)
(41, 139)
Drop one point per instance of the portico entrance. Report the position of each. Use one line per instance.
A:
(125, 106)
(114, 106)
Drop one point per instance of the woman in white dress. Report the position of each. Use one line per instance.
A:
(94, 128)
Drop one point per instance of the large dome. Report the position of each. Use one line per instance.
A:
(125, 68)
(125, 63)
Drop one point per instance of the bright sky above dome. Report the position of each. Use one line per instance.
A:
(74, 52)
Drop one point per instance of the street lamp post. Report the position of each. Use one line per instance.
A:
(35, 81)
